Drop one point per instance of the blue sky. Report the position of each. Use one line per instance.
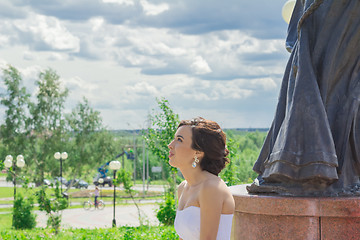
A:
(221, 60)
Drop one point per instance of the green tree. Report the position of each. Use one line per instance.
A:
(48, 135)
(158, 136)
(124, 177)
(16, 101)
(86, 125)
(229, 173)
(52, 206)
(161, 133)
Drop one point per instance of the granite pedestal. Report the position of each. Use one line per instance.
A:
(276, 217)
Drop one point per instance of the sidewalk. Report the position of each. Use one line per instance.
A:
(124, 215)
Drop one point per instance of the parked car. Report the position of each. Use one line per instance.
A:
(60, 179)
(107, 180)
(77, 183)
(47, 182)
(82, 184)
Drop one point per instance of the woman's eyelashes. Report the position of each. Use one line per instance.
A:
(179, 139)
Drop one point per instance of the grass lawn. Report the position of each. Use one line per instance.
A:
(5, 221)
(153, 182)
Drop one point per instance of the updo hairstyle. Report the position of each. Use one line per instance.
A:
(208, 137)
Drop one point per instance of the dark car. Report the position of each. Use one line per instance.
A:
(77, 183)
(82, 184)
(60, 179)
(72, 182)
(107, 180)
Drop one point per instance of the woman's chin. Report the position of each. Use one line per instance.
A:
(171, 163)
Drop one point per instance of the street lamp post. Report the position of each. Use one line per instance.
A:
(62, 156)
(20, 163)
(114, 165)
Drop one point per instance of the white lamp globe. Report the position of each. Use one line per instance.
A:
(114, 165)
(9, 157)
(57, 155)
(287, 10)
(64, 155)
(8, 163)
(101, 180)
(20, 162)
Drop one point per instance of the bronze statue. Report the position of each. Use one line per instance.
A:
(313, 145)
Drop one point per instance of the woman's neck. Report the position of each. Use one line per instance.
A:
(194, 176)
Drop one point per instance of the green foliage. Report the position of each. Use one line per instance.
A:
(162, 131)
(124, 177)
(252, 141)
(244, 150)
(126, 233)
(164, 125)
(15, 100)
(52, 207)
(39, 129)
(23, 217)
(167, 211)
(229, 173)
(90, 143)
(47, 122)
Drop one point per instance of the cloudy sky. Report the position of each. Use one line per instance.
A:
(221, 60)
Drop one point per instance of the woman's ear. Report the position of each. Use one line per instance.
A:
(199, 154)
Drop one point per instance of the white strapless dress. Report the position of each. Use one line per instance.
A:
(187, 224)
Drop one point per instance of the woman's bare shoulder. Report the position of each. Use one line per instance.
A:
(216, 189)
(213, 185)
(214, 182)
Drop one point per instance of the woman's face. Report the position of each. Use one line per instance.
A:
(181, 154)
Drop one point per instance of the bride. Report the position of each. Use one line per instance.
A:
(206, 206)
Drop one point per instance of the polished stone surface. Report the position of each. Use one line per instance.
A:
(278, 217)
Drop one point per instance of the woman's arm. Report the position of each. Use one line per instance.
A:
(211, 204)
(179, 192)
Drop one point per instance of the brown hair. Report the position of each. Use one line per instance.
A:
(210, 139)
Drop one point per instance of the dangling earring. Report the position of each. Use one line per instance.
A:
(195, 162)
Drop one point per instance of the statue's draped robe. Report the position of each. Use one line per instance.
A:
(315, 134)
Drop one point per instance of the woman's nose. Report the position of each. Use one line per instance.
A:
(169, 145)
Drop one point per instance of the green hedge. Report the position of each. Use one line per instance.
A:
(143, 232)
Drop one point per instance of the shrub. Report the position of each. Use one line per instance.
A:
(167, 211)
(23, 217)
(52, 207)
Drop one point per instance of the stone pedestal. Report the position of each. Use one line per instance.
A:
(276, 217)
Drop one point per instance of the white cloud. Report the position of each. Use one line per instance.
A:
(200, 66)
(265, 83)
(47, 32)
(121, 54)
(55, 56)
(140, 90)
(120, 2)
(97, 23)
(152, 9)
(29, 56)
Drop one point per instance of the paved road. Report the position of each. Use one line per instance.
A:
(138, 187)
(80, 218)
(124, 215)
